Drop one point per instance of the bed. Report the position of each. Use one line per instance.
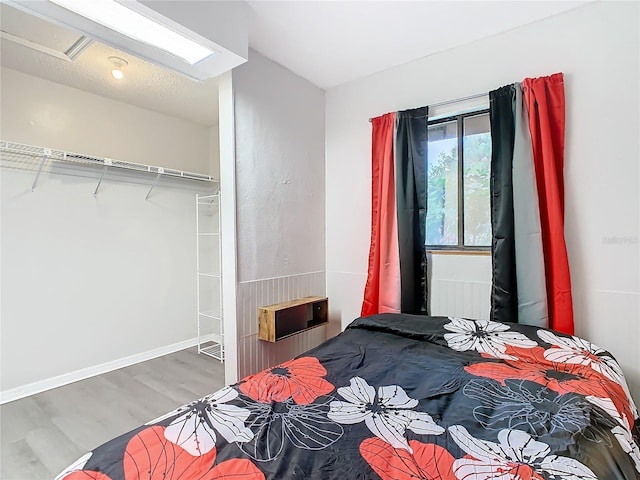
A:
(399, 397)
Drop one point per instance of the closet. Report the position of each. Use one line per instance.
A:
(99, 176)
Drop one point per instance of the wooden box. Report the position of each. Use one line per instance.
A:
(282, 320)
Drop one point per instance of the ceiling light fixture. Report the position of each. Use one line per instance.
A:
(120, 18)
(118, 64)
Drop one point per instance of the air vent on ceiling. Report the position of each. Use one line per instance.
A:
(32, 32)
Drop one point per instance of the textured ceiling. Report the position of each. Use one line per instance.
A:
(144, 85)
(332, 42)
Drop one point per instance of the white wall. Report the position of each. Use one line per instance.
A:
(596, 46)
(280, 185)
(213, 135)
(89, 281)
(43, 113)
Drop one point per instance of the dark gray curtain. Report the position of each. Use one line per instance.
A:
(504, 293)
(411, 197)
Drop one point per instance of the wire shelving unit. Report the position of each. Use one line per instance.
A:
(209, 276)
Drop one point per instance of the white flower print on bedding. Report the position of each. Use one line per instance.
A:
(518, 456)
(387, 414)
(194, 427)
(484, 336)
(577, 351)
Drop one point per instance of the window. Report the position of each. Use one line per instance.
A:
(458, 167)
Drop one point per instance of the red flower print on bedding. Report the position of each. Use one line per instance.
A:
(427, 462)
(578, 351)
(528, 355)
(150, 456)
(299, 379)
(559, 377)
(236, 469)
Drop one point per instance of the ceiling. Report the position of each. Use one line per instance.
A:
(326, 42)
(332, 42)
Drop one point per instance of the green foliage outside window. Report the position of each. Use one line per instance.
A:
(443, 195)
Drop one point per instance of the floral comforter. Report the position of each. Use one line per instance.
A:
(399, 397)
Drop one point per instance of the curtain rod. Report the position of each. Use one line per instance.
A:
(457, 100)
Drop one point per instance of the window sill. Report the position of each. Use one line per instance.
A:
(460, 252)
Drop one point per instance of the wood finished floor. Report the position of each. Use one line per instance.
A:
(42, 434)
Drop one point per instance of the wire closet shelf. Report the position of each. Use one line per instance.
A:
(11, 152)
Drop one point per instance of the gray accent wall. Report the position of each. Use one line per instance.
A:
(280, 203)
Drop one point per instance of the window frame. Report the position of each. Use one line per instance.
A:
(460, 247)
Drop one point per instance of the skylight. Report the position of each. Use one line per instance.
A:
(121, 19)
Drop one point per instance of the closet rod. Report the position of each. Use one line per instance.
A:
(457, 100)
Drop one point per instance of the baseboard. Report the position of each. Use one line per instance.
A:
(36, 387)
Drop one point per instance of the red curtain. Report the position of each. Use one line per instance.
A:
(382, 291)
(545, 102)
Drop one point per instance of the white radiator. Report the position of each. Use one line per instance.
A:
(454, 298)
